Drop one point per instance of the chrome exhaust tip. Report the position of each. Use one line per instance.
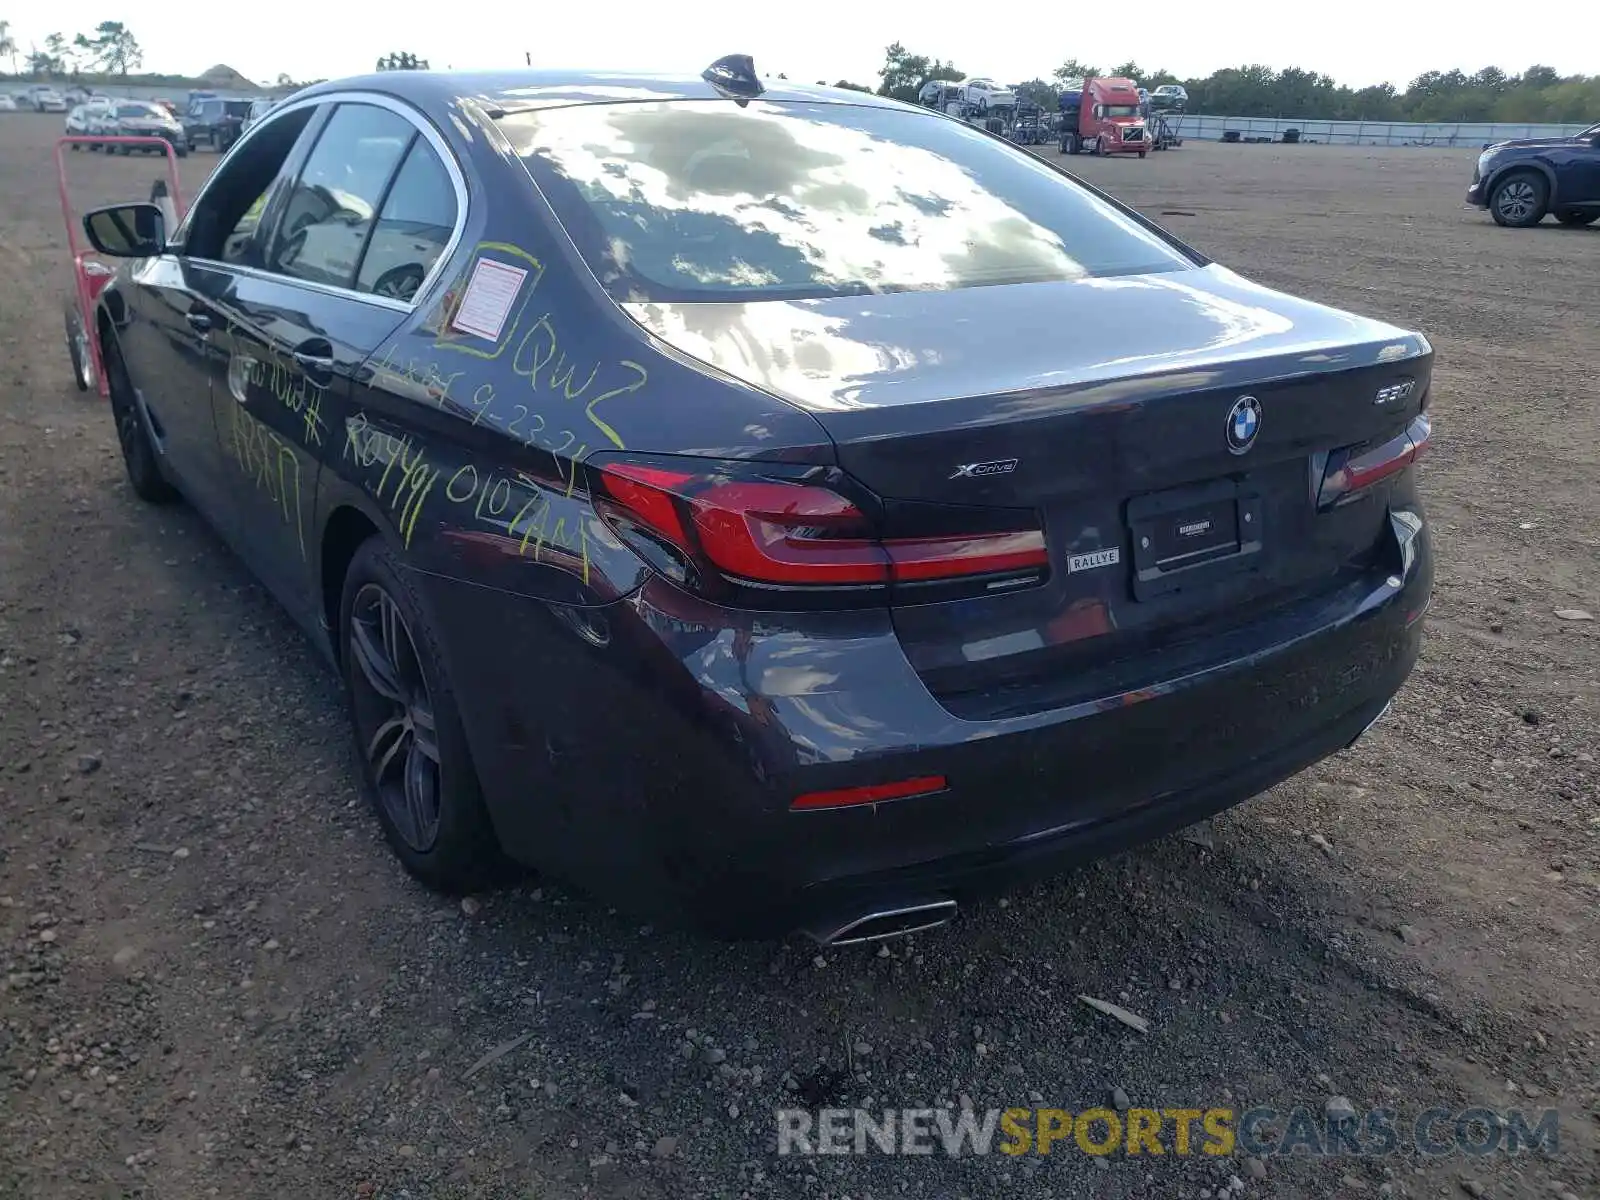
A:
(879, 924)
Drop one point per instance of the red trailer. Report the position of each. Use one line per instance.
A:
(89, 273)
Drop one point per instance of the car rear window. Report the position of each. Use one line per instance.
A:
(707, 200)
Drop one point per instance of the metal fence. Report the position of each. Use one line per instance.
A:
(1203, 127)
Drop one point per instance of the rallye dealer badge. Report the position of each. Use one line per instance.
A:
(1093, 559)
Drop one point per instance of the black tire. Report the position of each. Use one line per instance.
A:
(398, 283)
(1576, 217)
(138, 454)
(443, 836)
(1141, 154)
(1519, 199)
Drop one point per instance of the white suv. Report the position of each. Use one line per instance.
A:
(46, 99)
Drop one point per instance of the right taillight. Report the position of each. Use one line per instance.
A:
(1351, 473)
(772, 540)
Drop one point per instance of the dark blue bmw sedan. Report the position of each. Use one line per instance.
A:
(767, 507)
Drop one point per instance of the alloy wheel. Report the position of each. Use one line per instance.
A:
(400, 283)
(81, 353)
(1517, 200)
(395, 717)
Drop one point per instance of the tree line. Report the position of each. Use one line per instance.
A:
(111, 49)
(402, 60)
(1536, 95)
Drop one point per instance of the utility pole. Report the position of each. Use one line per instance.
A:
(528, 55)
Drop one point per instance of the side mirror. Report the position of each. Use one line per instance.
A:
(127, 230)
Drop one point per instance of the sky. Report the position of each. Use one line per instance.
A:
(1358, 42)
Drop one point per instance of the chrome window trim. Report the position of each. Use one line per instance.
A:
(422, 125)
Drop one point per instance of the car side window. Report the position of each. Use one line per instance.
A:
(222, 225)
(333, 204)
(413, 228)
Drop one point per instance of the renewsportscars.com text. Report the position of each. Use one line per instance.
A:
(1181, 1132)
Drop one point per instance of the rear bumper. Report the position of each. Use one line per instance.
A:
(657, 770)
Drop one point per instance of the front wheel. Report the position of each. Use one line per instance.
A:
(1519, 200)
(1576, 217)
(415, 768)
(138, 452)
(1141, 153)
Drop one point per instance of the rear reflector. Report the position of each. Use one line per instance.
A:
(871, 793)
(1348, 476)
(752, 530)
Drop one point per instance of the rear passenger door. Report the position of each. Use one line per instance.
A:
(353, 237)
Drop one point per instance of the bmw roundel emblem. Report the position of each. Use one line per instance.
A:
(1244, 422)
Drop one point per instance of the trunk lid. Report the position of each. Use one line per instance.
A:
(1104, 405)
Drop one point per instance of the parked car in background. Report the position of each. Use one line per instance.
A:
(214, 121)
(44, 98)
(98, 112)
(987, 94)
(617, 588)
(8, 102)
(77, 122)
(258, 109)
(1169, 97)
(140, 118)
(1521, 182)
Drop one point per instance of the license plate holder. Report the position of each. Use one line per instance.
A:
(1192, 535)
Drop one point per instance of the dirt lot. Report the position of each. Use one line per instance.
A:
(217, 982)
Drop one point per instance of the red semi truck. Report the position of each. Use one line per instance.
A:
(1104, 117)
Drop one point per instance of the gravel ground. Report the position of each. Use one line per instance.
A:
(216, 982)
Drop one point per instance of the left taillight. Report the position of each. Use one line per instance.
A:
(1351, 473)
(773, 541)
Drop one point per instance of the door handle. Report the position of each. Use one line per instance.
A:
(314, 362)
(198, 321)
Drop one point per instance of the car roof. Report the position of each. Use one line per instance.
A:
(522, 90)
